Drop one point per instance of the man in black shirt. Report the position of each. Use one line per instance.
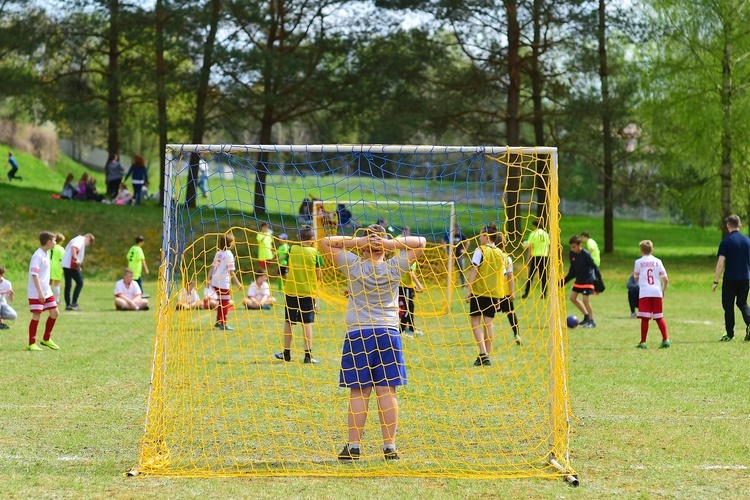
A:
(734, 260)
(583, 269)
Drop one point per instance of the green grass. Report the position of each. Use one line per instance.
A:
(649, 423)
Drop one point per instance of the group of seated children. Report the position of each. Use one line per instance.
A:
(258, 296)
(85, 190)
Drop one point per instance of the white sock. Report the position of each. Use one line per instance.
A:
(56, 291)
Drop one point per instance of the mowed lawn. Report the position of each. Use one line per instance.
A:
(648, 423)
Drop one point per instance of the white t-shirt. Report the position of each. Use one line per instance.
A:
(253, 292)
(648, 272)
(210, 293)
(39, 266)
(5, 287)
(188, 297)
(222, 265)
(130, 292)
(78, 242)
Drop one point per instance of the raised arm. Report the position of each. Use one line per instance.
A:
(414, 246)
(336, 245)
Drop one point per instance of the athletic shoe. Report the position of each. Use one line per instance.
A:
(726, 338)
(590, 324)
(584, 322)
(642, 345)
(483, 360)
(349, 454)
(633, 315)
(666, 344)
(280, 356)
(74, 307)
(266, 308)
(747, 333)
(407, 335)
(309, 360)
(146, 296)
(3, 326)
(517, 338)
(33, 347)
(390, 453)
(69, 308)
(144, 308)
(419, 332)
(224, 326)
(50, 343)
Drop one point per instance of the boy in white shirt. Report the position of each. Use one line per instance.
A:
(40, 293)
(652, 281)
(259, 293)
(188, 297)
(6, 297)
(128, 294)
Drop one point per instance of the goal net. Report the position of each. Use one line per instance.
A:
(221, 402)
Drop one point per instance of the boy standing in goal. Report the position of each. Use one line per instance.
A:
(486, 286)
(652, 281)
(221, 276)
(300, 288)
(372, 353)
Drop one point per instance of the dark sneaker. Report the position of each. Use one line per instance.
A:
(726, 338)
(309, 360)
(3, 326)
(75, 307)
(486, 361)
(666, 344)
(349, 454)
(390, 453)
(280, 356)
(588, 324)
(478, 361)
(642, 345)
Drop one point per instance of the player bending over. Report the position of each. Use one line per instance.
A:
(585, 272)
(372, 353)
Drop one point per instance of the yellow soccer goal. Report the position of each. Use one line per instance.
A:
(238, 390)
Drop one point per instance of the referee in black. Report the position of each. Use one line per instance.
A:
(734, 260)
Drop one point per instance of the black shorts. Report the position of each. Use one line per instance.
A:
(505, 305)
(482, 306)
(583, 290)
(283, 271)
(300, 310)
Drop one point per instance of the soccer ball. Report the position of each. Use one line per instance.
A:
(572, 321)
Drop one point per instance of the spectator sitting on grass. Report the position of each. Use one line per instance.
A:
(128, 294)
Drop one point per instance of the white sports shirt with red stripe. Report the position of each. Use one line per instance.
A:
(39, 266)
(648, 272)
(223, 263)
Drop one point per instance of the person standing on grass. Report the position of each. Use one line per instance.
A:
(734, 262)
(592, 247)
(486, 286)
(137, 262)
(220, 277)
(456, 246)
(13, 168)
(537, 248)
(300, 290)
(6, 298)
(139, 173)
(72, 263)
(505, 304)
(585, 272)
(55, 261)
(113, 173)
(265, 246)
(40, 294)
(282, 254)
(652, 281)
(372, 353)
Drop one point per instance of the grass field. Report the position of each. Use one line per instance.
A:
(649, 423)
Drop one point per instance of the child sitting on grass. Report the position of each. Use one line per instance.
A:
(259, 293)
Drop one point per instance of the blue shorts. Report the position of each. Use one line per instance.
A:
(372, 356)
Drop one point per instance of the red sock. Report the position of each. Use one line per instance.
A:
(48, 328)
(33, 324)
(662, 328)
(644, 330)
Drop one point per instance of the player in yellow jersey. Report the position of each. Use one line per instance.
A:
(486, 286)
(537, 247)
(300, 289)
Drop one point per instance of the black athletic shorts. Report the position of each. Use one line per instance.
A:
(505, 305)
(583, 290)
(300, 310)
(482, 306)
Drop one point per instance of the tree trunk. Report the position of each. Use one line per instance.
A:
(609, 241)
(199, 125)
(113, 80)
(261, 170)
(727, 162)
(161, 98)
(512, 122)
(541, 179)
